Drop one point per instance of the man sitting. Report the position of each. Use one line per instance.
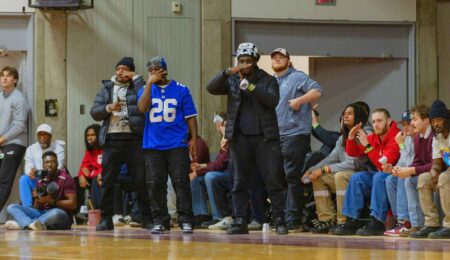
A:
(54, 200)
(33, 162)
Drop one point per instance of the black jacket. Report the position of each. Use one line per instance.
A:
(136, 119)
(266, 94)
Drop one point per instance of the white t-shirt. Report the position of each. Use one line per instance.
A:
(440, 145)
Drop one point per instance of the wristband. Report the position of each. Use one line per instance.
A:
(251, 87)
(402, 146)
(368, 149)
(315, 125)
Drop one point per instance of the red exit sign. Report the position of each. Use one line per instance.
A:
(325, 2)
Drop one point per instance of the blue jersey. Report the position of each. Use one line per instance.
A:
(165, 122)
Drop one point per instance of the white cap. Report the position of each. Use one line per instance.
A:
(44, 128)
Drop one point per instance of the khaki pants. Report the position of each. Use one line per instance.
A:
(430, 209)
(323, 187)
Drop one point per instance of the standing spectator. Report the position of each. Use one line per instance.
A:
(252, 131)
(297, 92)
(438, 179)
(121, 138)
(33, 162)
(381, 149)
(54, 200)
(169, 112)
(13, 130)
(331, 174)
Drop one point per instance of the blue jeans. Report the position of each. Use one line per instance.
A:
(201, 186)
(396, 192)
(56, 219)
(363, 185)
(26, 187)
(415, 212)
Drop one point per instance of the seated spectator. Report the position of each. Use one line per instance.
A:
(415, 157)
(381, 148)
(201, 176)
(438, 179)
(331, 175)
(91, 167)
(54, 200)
(33, 162)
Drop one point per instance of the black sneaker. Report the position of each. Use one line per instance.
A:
(424, 232)
(293, 225)
(187, 228)
(443, 233)
(206, 224)
(349, 228)
(238, 227)
(160, 229)
(106, 223)
(323, 227)
(147, 225)
(198, 220)
(373, 228)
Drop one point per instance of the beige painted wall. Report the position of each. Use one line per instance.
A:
(443, 37)
(345, 10)
(14, 6)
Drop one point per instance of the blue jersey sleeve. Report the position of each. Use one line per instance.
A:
(188, 106)
(139, 93)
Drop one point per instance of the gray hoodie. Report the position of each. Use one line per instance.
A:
(338, 160)
(13, 118)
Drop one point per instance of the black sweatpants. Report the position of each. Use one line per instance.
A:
(13, 155)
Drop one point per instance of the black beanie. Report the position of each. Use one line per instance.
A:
(438, 109)
(127, 61)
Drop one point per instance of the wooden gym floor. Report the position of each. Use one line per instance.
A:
(133, 243)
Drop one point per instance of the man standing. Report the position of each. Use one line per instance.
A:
(13, 130)
(55, 200)
(252, 131)
(381, 149)
(438, 179)
(169, 113)
(297, 92)
(33, 162)
(121, 138)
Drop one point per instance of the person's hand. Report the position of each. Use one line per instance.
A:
(32, 173)
(315, 120)
(197, 166)
(99, 180)
(405, 172)
(83, 182)
(362, 137)
(395, 171)
(45, 199)
(315, 174)
(116, 106)
(354, 131)
(156, 76)
(2, 140)
(224, 144)
(128, 74)
(434, 179)
(400, 138)
(305, 177)
(192, 175)
(238, 68)
(294, 104)
(387, 167)
(193, 150)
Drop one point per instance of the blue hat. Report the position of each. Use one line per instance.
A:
(157, 62)
(406, 117)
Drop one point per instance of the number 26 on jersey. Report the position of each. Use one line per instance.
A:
(163, 110)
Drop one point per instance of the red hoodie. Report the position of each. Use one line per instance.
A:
(387, 147)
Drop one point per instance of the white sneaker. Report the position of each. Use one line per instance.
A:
(224, 224)
(118, 220)
(37, 225)
(12, 225)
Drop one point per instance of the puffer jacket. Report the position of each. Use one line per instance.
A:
(266, 94)
(104, 97)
